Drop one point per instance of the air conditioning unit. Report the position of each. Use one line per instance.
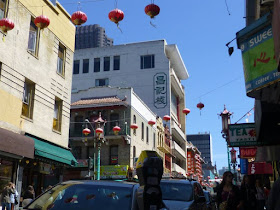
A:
(266, 2)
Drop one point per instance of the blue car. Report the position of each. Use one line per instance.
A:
(88, 195)
(182, 194)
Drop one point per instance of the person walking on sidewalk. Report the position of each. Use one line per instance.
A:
(6, 196)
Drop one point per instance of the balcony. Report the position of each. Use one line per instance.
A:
(164, 147)
(177, 132)
(178, 169)
(178, 151)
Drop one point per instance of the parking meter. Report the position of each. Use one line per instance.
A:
(149, 169)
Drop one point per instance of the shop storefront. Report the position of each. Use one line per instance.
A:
(47, 167)
(13, 148)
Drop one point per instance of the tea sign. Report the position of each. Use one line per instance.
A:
(242, 135)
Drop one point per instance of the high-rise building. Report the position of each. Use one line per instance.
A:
(154, 70)
(91, 36)
(203, 142)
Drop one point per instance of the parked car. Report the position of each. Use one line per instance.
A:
(182, 194)
(109, 195)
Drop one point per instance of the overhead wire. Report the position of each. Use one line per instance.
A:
(244, 115)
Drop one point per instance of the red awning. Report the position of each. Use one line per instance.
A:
(259, 168)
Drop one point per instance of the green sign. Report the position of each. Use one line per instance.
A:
(242, 135)
(260, 67)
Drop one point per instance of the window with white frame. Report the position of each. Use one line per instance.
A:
(85, 66)
(147, 61)
(61, 59)
(117, 59)
(76, 67)
(28, 99)
(57, 117)
(3, 8)
(33, 39)
(96, 67)
(106, 64)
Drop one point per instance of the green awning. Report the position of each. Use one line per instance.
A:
(53, 152)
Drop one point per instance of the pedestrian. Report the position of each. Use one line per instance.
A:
(260, 196)
(228, 195)
(6, 193)
(14, 198)
(273, 202)
(248, 193)
(28, 196)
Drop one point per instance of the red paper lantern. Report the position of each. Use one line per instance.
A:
(152, 10)
(86, 131)
(79, 18)
(116, 130)
(200, 105)
(151, 122)
(133, 126)
(6, 25)
(99, 131)
(42, 21)
(116, 15)
(208, 177)
(166, 118)
(186, 111)
(216, 177)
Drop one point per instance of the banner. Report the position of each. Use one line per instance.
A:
(259, 168)
(190, 161)
(248, 152)
(113, 172)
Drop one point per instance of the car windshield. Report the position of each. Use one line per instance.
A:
(83, 196)
(176, 191)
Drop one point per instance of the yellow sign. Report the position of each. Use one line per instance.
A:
(144, 155)
(113, 172)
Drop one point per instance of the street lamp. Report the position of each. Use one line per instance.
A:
(225, 130)
(99, 136)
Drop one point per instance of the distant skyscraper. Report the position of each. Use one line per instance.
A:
(91, 36)
(203, 142)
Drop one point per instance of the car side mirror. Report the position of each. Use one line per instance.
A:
(200, 199)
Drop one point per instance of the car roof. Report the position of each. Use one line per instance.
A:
(186, 181)
(102, 182)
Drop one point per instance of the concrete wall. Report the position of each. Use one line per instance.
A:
(18, 64)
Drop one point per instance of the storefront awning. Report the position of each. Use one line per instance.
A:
(16, 144)
(53, 152)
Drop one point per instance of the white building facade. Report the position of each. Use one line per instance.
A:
(154, 69)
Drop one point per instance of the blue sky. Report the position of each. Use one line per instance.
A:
(200, 28)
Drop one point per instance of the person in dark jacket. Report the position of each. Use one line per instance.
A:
(248, 193)
(6, 193)
(228, 195)
(28, 196)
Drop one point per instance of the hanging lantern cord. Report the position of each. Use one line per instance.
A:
(79, 7)
(119, 28)
(116, 4)
(153, 24)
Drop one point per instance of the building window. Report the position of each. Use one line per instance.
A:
(114, 120)
(147, 61)
(33, 40)
(106, 63)
(28, 99)
(76, 67)
(77, 152)
(174, 104)
(85, 65)
(117, 62)
(114, 155)
(134, 121)
(3, 8)
(57, 117)
(101, 82)
(142, 131)
(0, 69)
(147, 135)
(96, 65)
(61, 59)
(78, 124)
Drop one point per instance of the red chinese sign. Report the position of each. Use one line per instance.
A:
(248, 152)
(190, 161)
(259, 168)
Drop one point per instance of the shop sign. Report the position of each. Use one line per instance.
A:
(248, 152)
(243, 166)
(259, 63)
(242, 135)
(113, 172)
(259, 168)
(160, 90)
(45, 168)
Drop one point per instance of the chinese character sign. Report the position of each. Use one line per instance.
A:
(260, 67)
(160, 90)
